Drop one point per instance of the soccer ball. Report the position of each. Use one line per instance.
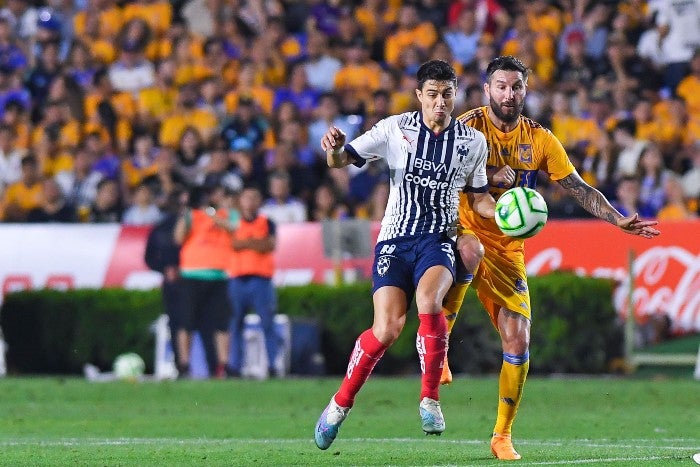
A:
(521, 212)
(128, 366)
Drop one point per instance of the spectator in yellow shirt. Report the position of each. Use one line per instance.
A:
(411, 31)
(24, 195)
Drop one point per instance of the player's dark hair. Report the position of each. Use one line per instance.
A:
(507, 63)
(438, 70)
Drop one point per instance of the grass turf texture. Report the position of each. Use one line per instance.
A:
(568, 421)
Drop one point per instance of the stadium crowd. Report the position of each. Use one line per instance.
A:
(108, 107)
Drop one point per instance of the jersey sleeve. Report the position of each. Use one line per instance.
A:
(476, 179)
(556, 162)
(372, 144)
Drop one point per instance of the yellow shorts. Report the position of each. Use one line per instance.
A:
(501, 280)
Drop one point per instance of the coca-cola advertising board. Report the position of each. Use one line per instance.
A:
(666, 270)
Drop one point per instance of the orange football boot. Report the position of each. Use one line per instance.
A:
(502, 448)
(446, 376)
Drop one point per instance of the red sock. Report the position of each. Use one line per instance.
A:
(367, 352)
(431, 343)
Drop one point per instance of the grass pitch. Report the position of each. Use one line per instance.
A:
(567, 421)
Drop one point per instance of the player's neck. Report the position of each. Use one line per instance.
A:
(436, 127)
(504, 126)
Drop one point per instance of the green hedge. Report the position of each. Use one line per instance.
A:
(574, 327)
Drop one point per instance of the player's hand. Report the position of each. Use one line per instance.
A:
(636, 226)
(503, 177)
(333, 140)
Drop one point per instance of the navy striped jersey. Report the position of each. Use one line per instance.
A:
(427, 171)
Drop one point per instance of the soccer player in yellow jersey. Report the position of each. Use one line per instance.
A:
(518, 148)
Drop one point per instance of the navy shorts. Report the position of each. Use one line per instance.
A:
(402, 261)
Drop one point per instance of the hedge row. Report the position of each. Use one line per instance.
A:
(574, 327)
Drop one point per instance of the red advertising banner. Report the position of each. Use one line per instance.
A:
(666, 270)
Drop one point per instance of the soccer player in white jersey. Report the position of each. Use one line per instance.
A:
(431, 157)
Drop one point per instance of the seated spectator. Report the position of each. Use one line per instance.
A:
(691, 178)
(10, 158)
(156, 102)
(107, 206)
(326, 205)
(25, 194)
(15, 116)
(11, 55)
(157, 13)
(132, 72)
(47, 67)
(143, 210)
(247, 123)
(104, 15)
(298, 91)
(142, 161)
(79, 185)
(677, 207)
(191, 156)
(249, 89)
(328, 114)
(411, 30)
(359, 76)
(463, 37)
(630, 148)
(374, 206)
(321, 66)
(652, 175)
(627, 197)
(54, 136)
(187, 113)
(53, 207)
(218, 170)
(105, 161)
(281, 207)
(303, 178)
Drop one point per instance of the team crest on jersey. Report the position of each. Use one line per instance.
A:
(525, 152)
(383, 264)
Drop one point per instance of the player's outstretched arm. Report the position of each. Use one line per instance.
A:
(594, 202)
(483, 204)
(333, 142)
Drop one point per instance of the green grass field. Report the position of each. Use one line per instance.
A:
(563, 421)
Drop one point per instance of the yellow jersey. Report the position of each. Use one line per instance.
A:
(527, 149)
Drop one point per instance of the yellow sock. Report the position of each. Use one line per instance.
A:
(453, 302)
(510, 390)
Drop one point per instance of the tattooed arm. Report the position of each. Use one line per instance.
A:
(594, 202)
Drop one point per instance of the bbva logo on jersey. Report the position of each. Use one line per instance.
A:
(425, 164)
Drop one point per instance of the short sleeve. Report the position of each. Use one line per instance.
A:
(372, 144)
(556, 162)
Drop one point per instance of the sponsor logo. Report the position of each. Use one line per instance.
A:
(355, 358)
(424, 164)
(426, 182)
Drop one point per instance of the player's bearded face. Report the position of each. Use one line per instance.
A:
(506, 92)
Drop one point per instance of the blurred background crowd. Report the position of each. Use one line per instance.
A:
(110, 108)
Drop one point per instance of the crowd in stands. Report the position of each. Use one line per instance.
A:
(108, 107)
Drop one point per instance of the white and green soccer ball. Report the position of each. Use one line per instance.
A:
(521, 212)
(128, 366)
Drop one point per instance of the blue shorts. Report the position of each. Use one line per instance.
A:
(402, 261)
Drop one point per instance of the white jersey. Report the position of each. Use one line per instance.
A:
(427, 171)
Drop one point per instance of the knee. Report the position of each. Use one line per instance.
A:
(428, 303)
(517, 343)
(471, 252)
(388, 330)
